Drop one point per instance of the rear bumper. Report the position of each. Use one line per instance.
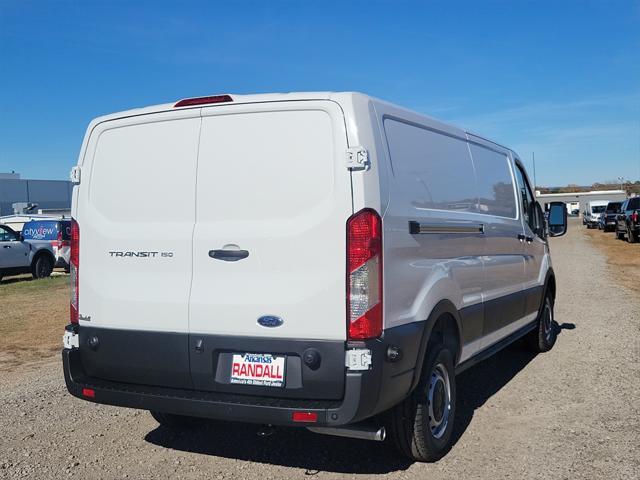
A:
(276, 411)
(136, 374)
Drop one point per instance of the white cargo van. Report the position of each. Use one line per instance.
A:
(593, 211)
(303, 259)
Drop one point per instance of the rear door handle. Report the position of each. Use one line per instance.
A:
(529, 239)
(7, 246)
(521, 237)
(228, 255)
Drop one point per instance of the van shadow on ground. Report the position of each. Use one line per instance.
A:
(299, 448)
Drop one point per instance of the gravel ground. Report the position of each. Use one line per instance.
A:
(570, 413)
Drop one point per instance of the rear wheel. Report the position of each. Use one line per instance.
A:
(175, 422)
(631, 237)
(543, 337)
(619, 235)
(421, 426)
(42, 267)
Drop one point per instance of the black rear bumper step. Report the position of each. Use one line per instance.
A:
(233, 407)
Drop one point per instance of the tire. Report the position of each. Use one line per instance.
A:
(543, 337)
(619, 235)
(599, 227)
(631, 237)
(418, 431)
(42, 266)
(175, 422)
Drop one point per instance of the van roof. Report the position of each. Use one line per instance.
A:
(340, 97)
(252, 98)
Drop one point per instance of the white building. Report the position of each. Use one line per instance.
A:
(578, 200)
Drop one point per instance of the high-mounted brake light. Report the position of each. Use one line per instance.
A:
(74, 270)
(364, 275)
(189, 102)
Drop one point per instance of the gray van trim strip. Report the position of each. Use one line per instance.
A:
(416, 228)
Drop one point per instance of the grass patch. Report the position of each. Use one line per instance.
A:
(33, 314)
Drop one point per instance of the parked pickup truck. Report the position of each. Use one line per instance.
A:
(628, 220)
(18, 255)
(609, 218)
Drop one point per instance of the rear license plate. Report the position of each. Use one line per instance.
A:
(261, 369)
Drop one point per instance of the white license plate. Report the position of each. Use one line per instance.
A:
(262, 369)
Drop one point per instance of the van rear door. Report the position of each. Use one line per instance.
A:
(136, 213)
(273, 197)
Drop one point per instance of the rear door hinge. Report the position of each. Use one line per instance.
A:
(357, 158)
(70, 340)
(74, 175)
(358, 359)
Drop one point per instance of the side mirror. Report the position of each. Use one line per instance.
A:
(21, 238)
(557, 219)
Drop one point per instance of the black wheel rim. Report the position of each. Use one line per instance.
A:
(42, 268)
(547, 321)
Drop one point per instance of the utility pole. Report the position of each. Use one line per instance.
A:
(535, 183)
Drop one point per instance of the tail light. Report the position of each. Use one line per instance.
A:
(74, 269)
(364, 275)
(634, 217)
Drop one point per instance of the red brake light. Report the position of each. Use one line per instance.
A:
(634, 216)
(74, 270)
(308, 417)
(89, 393)
(188, 102)
(364, 275)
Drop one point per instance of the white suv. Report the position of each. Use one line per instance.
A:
(304, 259)
(20, 256)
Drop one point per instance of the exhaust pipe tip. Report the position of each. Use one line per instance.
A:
(359, 431)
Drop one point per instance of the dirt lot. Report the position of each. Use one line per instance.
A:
(623, 258)
(570, 413)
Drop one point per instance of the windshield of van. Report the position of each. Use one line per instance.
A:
(41, 230)
(614, 207)
(598, 209)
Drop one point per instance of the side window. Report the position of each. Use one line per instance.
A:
(494, 182)
(526, 199)
(7, 235)
(435, 168)
(634, 204)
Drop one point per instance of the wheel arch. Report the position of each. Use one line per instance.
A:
(444, 320)
(549, 285)
(43, 252)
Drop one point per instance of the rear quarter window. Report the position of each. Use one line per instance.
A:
(65, 227)
(434, 167)
(40, 230)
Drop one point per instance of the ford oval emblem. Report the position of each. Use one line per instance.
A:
(270, 321)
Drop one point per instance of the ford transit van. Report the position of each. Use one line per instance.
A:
(321, 260)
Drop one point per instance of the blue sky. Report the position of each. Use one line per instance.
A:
(561, 78)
